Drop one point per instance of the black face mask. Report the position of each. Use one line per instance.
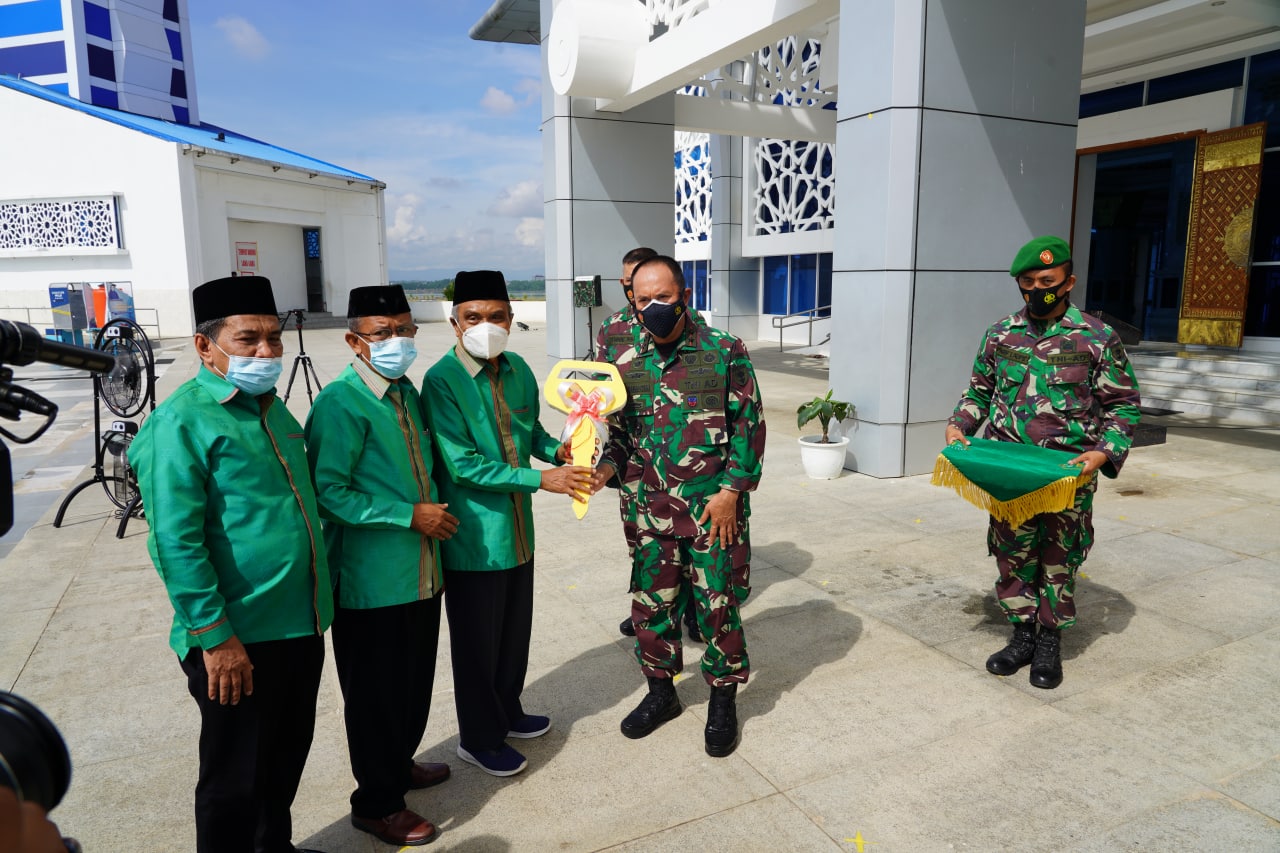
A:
(661, 318)
(1041, 302)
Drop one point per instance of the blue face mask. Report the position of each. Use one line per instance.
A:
(252, 375)
(392, 357)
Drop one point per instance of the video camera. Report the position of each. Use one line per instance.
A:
(34, 761)
(22, 344)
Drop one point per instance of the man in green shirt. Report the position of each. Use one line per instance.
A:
(235, 536)
(482, 404)
(371, 460)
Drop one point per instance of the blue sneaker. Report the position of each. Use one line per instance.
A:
(503, 761)
(531, 726)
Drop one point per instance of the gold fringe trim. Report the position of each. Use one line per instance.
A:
(1055, 497)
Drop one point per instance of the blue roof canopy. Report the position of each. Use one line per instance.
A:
(203, 135)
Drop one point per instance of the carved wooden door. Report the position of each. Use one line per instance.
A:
(1215, 283)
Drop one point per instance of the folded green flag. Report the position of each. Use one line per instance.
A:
(1012, 482)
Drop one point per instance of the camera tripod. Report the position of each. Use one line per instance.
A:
(308, 369)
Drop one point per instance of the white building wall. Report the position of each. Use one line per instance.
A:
(248, 201)
(176, 212)
(49, 151)
(280, 258)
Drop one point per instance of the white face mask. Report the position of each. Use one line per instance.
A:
(485, 340)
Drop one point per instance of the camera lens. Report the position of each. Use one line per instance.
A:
(34, 761)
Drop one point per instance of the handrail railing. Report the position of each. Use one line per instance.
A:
(799, 318)
(41, 317)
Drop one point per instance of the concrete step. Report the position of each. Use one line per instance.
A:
(1214, 396)
(1208, 363)
(1224, 381)
(1217, 411)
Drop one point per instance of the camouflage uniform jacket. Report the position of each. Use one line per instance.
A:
(1068, 386)
(693, 424)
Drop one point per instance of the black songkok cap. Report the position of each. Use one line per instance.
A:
(479, 284)
(226, 297)
(377, 301)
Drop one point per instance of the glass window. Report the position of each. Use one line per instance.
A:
(697, 277)
(1262, 316)
(1262, 97)
(804, 283)
(824, 284)
(102, 62)
(1111, 100)
(775, 285)
(1266, 228)
(1197, 81)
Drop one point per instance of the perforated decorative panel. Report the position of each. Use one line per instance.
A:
(60, 226)
(693, 187)
(794, 187)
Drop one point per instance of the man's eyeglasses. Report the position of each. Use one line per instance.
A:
(384, 334)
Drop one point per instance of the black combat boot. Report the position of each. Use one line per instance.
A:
(627, 628)
(722, 721)
(1022, 646)
(659, 706)
(691, 624)
(1046, 666)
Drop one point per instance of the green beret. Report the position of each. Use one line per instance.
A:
(1040, 254)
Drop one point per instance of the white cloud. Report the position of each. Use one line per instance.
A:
(524, 199)
(529, 233)
(498, 102)
(244, 37)
(403, 230)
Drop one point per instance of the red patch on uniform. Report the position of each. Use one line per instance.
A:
(1046, 257)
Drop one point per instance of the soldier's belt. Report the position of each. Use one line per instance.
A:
(1011, 481)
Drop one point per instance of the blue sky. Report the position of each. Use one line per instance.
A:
(397, 91)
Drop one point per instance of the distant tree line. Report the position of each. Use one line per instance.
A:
(444, 286)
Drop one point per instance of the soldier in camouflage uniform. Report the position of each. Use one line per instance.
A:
(1054, 377)
(690, 449)
(619, 336)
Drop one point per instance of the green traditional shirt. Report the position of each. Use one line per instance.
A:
(370, 458)
(485, 423)
(1066, 384)
(235, 533)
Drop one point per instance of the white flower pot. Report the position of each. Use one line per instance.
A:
(822, 461)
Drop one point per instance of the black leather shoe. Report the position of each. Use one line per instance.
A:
(627, 628)
(660, 705)
(1046, 666)
(1022, 646)
(721, 733)
(404, 828)
(427, 775)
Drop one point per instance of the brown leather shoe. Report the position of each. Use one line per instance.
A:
(403, 828)
(426, 775)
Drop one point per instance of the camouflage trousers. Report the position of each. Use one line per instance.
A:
(1038, 562)
(719, 583)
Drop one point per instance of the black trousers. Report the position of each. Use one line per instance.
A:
(252, 754)
(490, 620)
(386, 660)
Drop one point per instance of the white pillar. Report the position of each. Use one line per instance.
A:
(955, 144)
(608, 187)
(735, 280)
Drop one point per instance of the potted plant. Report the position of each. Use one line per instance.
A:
(823, 459)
